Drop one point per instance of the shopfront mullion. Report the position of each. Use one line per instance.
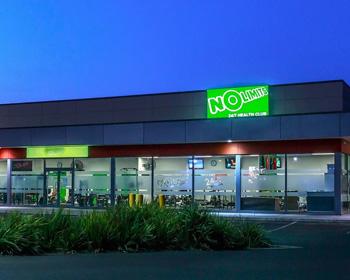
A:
(73, 182)
(285, 184)
(347, 181)
(345, 184)
(192, 181)
(9, 181)
(238, 183)
(45, 184)
(113, 174)
(337, 182)
(59, 185)
(152, 179)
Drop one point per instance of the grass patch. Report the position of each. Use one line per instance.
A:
(123, 228)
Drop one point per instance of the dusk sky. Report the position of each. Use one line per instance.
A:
(68, 49)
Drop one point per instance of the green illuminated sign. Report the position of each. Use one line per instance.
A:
(57, 151)
(238, 102)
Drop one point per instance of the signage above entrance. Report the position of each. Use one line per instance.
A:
(249, 101)
(57, 151)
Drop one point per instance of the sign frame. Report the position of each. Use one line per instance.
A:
(235, 102)
(77, 151)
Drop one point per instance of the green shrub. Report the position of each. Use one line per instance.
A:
(20, 234)
(250, 235)
(123, 228)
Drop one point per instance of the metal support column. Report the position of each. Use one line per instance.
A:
(58, 199)
(347, 183)
(337, 182)
(285, 183)
(192, 180)
(152, 180)
(112, 181)
(9, 182)
(238, 183)
(73, 183)
(45, 185)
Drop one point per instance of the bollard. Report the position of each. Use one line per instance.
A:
(139, 199)
(161, 199)
(131, 199)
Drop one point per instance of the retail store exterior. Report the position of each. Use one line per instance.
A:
(276, 148)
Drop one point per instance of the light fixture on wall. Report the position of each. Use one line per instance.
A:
(295, 158)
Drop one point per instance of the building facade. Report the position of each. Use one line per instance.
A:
(279, 148)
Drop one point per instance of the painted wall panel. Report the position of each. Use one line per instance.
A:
(87, 135)
(331, 89)
(121, 134)
(171, 113)
(173, 100)
(317, 126)
(164, 132)
(310, 126)
(208, 130)
(345, 124)
(15, 137)
(264, 128)
(305, 106)
(284, 100)
(63, 107)
(48, 136)
(23, 120)
(57, 119)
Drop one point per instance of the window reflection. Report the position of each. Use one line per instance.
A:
(310, 184)
(92, 182)
(310, 181)
(133, 176)
(173, 180)
(263, 182)
(215, 182)
(27, 182)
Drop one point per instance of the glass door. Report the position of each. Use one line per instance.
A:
(59, 186)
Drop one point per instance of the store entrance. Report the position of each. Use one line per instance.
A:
(59, 186)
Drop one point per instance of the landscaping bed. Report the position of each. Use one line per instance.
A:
(124, 228)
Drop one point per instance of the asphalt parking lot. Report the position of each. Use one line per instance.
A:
(303, 251)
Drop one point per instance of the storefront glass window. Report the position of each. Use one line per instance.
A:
(310, 182)
(28, 182)
(133, 176)
(215, 182)
(92, 184)
(263, 182)
(173, 180)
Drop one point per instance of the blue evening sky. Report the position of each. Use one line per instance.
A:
(68, 49)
